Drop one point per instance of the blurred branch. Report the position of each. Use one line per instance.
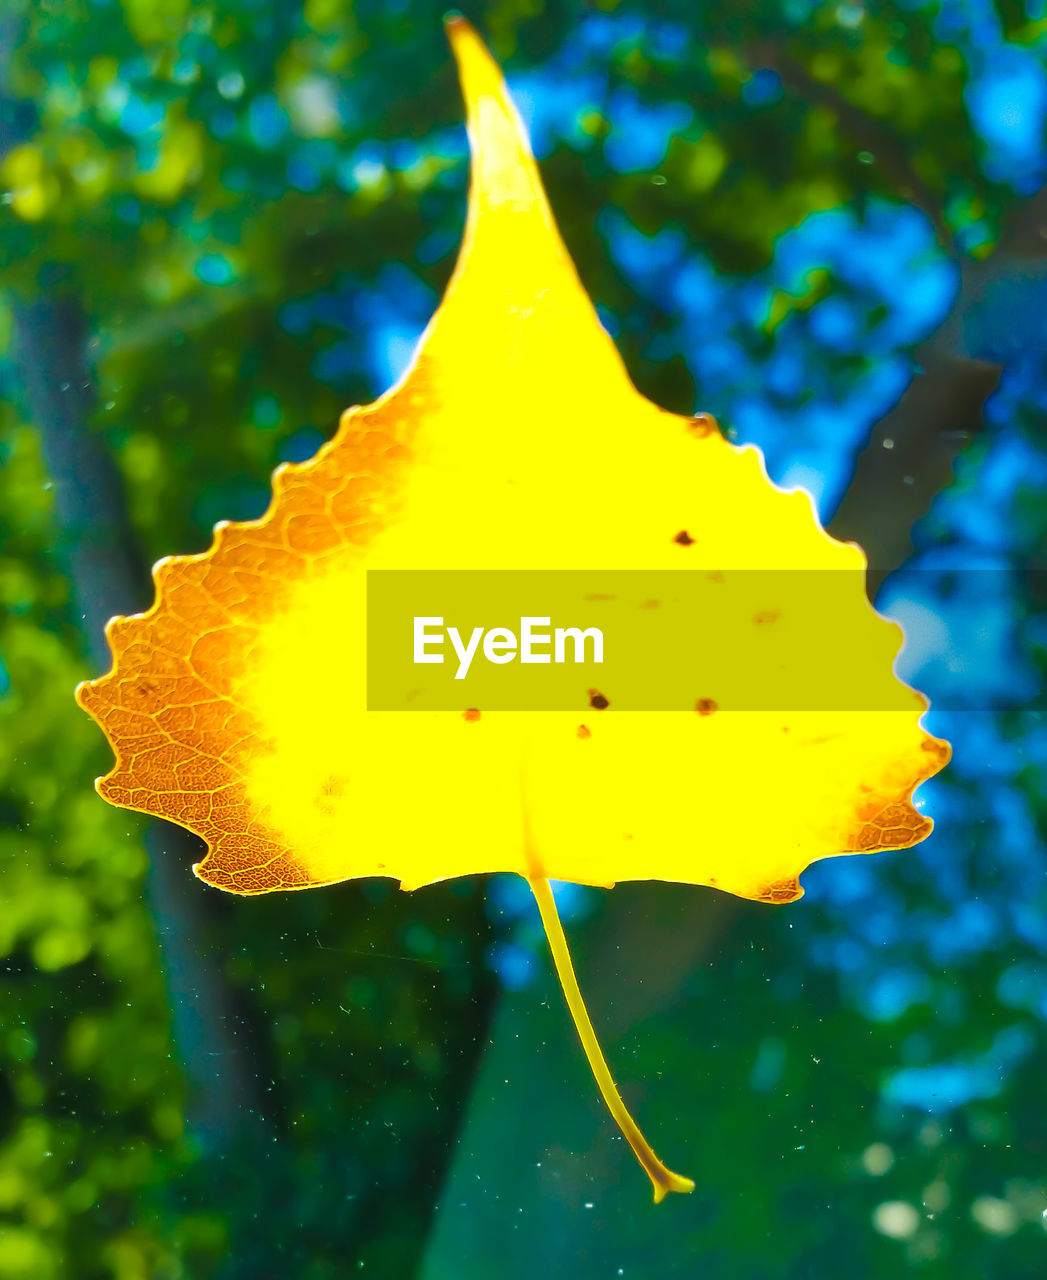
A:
(871, 134)
(909, 456)
(178, 320)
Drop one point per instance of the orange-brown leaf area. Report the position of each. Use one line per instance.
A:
(171, 706)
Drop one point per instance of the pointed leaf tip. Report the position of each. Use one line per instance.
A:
(513, 267)
(465, 40)
(495, 135)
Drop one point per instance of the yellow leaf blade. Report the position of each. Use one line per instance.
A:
(236, 706)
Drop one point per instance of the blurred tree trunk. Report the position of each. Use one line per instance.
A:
(908, 460)
(107, 576)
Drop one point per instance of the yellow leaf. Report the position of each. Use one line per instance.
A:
(237, 706)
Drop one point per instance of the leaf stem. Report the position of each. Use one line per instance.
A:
(663, 1179)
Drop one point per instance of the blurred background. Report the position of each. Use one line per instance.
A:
(222, 222)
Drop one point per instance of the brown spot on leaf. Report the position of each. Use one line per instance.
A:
(471, 713)
(706, 706)
(597, 700)
(332, 789)
(584, 731)
(702, 424)
(684, 539)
